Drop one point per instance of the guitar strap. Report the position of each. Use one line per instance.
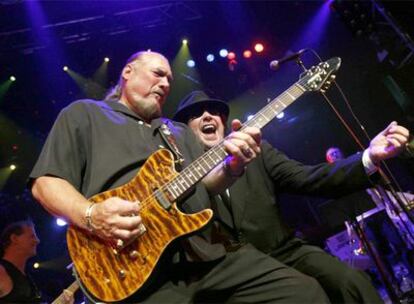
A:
(169, 138)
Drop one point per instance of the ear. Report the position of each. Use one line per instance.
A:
(127, 71)
(13, 238)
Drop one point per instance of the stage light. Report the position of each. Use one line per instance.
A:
(12, 167)
(36, 265)
(61, 222)
(250, 117)
(280, 115)
(106, 59)
(210, 57)
(223, 53)
(185, 41)
(12, 78)
(65, 68)
(247, 54)
(190, 63)
(231, 56)
(258, 47)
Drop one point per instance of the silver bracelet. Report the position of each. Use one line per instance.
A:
(88, 217)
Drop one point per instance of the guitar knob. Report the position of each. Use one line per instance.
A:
(119, 243)
(134, 254)
(122, 274)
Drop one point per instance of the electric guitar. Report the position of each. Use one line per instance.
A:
(110, 273)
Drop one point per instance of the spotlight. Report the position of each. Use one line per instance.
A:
(61, 222)
(13, 167)
(223, 53)
(231, 56)
(65, 68)
(190, 63)
(36, 265)
(210, 57)
(280, 115)
(247, 54)
(258, 47)
(12, 78)
(106, 59)
(185, 41)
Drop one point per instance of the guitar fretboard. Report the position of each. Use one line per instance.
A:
(205, 163)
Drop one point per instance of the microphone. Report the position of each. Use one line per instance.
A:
(275, 64)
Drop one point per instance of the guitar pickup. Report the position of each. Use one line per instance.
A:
(162, 199)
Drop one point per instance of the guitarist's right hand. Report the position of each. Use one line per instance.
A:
(115, 219)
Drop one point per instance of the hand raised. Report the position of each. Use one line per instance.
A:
(388, 143)
(242, 146)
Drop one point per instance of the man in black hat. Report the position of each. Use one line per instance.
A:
(252, 213)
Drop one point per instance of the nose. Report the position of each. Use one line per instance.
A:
(206, 115)
(165, 83)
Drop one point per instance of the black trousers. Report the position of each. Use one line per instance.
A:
(243, 276)
(341, 283)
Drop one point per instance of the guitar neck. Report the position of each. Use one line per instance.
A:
(205, 163)
(72, 288)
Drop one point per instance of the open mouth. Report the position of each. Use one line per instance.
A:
(208, 129)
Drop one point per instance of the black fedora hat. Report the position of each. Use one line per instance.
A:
(196, 100)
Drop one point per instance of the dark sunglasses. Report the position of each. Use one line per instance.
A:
(199, 111)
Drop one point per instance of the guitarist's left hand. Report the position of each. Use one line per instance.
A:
(67, 297)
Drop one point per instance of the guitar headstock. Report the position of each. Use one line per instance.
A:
(319, 77)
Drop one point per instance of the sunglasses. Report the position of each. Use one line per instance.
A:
(199, 111)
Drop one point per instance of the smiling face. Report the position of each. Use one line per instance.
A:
(208, 127)
(146, 85)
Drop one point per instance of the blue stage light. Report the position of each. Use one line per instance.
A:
(223, 53)
(61, 222)
(210, 57)
(190, 63)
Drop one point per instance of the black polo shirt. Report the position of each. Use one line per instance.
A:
(100, 145)
(97, 145)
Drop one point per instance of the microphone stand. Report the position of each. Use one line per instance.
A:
(389, 284)
(388, 185)
(384, 274)
(300, 63)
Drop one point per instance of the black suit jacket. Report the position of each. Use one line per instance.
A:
(254, 203)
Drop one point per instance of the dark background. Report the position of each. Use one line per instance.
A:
(38, 38)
